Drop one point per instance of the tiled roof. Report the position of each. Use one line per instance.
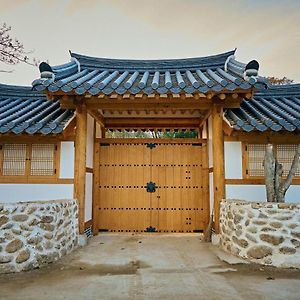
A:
(277, 108)
(25, 111)
(84, 74)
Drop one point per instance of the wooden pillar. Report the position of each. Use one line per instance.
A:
(80, 161)
(218, 161)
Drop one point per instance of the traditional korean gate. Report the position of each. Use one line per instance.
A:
(159, 186)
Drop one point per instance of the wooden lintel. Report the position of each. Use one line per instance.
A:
(283, 137)
(151, 122)
(69, 131)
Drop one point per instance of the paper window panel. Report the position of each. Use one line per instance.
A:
(256, 155)
(14, 159)
(42, 160)
(285, 156)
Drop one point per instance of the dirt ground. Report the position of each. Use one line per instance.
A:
(126, 266)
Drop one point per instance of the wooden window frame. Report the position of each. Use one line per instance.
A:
(245, 161)
(27, 178)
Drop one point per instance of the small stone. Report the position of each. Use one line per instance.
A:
(47, 219)
(33, 222)
(241, 242)
(238, 233)
(63, 252)
(26, 227)
(59, 236)
(296, 234)
(229, 215)
(271, 239)
(276, 224)
(9, 236)
(3, 220)
(48, 245)
(47, 227)
(283, 218)
(16, 231)
(20, 218)
(292, 226)
(60, 222)
(287, 250)
(7, 268)
(237, 219)
(252, 229)
(230, 225)
(5, 259)
(7, 226)
(272, 211)
(2, 239)
(267, 229)
(296, 243)
(31, 210)
(48, 235)
(259, 252)
(256, 205)
(250, 214)
(34, 240)
(39, 247)
(23, 256)
(14, 246)
(251, 238)
(283, 205)
(47, 258)
(262, 216)
(259, 222)
(247, 222)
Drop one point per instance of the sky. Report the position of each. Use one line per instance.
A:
(265, 30)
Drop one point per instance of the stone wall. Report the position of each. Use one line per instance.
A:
(33, 234)
(264, 233)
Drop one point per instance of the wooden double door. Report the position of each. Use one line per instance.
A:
(152, 186)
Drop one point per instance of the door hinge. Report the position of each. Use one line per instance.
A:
(104, 144)
(150, 187)
(54, 171)
(151, 229)
(151, 145)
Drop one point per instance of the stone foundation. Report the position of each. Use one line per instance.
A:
(264, 233)
(33, 234)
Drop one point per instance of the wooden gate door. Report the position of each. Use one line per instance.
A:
(177, 176)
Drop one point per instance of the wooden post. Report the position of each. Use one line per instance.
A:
(80, 161)
(218, 161)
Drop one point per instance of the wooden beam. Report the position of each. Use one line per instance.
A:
(218, 161)
(151, 122)
(206, 116)
(97, 116)
(80, 161)
(227, 129)
(70, 128)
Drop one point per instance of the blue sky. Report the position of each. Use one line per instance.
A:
(268, 31)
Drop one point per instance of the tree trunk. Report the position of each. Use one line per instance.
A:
(276, 187)
(269, 167)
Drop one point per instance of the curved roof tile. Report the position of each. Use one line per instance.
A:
(23, 110)
(277, 108)
(92, 75)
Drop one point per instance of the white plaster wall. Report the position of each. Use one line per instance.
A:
(258, 193)
(233, 160)
(35, 192)
(67, 160)
(88, 197)
(90, 142)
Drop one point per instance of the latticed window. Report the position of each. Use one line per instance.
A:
(255, 154)
(28, 160)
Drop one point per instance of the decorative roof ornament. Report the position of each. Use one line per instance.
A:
(251, 70)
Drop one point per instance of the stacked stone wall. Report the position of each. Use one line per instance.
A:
(33, 234)
(264, 233)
